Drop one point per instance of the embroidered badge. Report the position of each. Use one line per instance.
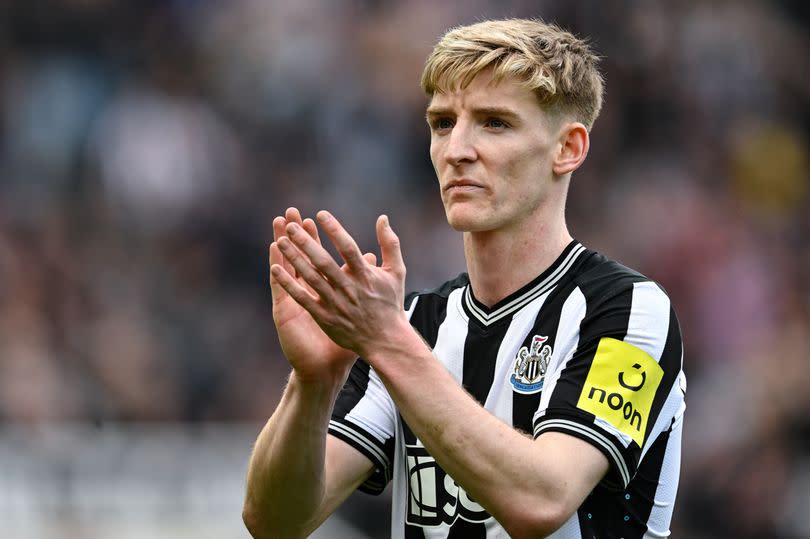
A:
(530, 366)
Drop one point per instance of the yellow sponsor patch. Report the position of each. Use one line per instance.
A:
(621, 386)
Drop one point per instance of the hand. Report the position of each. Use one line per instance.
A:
(309, 350)
(353, 304)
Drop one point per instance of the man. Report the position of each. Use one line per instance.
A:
(540, 394)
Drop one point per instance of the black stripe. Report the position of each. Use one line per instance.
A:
(602, 319)
(608, 513)
(414, 532)
(671, 359)
(478, 371)
(608, 294)
(461, 529)
(352, 393)
(427, 316)
(379, 479)
(480, 354)
(353, 390)
(546, 324)
(522, 294)
(645, 484)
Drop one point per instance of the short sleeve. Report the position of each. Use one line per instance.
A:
(364, 418)
(617, 386)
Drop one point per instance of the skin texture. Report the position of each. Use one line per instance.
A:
(293, 447)
(503, 171)
(503, 167)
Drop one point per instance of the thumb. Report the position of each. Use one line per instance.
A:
(389, 246)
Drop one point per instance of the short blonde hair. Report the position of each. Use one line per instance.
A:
(559, 67)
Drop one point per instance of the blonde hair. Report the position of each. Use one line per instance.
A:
(558, 67)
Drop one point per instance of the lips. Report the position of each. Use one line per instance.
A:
(462, 185)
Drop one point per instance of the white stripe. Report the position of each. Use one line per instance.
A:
(673, 407)
(664, 500)
(565, 343)
(648, 324)
(363, 441)
(593, 435)
(409, 311)
(499, 400)
(518, 303)
(449, 347)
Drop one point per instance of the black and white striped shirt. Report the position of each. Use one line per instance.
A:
(589, 348)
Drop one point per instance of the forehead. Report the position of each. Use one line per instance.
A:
(485, 92)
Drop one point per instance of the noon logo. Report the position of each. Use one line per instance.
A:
(531, 364)
(621, 386)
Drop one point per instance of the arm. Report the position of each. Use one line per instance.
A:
(297, 474)
(360, 309)
(546, 479)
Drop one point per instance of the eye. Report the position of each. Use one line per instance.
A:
(496, 123)
(441, 123)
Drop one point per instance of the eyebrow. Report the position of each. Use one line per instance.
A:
(433, 112)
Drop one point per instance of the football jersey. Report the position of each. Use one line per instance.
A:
(589, 348)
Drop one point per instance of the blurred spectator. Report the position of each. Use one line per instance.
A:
(145, 147)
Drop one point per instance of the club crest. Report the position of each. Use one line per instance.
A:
(530, 366)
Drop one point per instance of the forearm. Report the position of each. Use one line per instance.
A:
(485, 456)
(528, 487)
(289, 451)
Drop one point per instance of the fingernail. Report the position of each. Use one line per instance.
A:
(323, 215)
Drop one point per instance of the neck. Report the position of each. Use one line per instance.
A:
(501, 262)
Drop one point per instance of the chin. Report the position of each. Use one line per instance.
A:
(463, 221)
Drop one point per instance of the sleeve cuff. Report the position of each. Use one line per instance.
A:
(368, 445)
(615, 453)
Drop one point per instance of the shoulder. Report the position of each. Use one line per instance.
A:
(438, 294)
(601, 279)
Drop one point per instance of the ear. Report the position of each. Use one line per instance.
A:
(573, 148)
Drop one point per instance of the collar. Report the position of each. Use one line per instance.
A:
(516, 301)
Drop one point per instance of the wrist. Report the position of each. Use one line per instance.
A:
(401, 346)
(325, 381)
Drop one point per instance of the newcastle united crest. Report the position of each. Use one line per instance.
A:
(530, 366)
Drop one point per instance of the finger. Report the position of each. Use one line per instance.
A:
(370, 258)
(317, 256)
(294, 289)
(293, 215)
(305, 269)
(343, 242)
(389, 246)
(280, 231)
(275, 259)
(312, 229)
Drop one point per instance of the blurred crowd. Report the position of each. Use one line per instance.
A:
(145, 148)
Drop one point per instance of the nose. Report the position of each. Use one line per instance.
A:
(460, 146)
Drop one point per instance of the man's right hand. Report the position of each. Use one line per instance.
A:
(312, 354)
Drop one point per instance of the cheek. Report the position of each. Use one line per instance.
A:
(434, 157)
(524, 178)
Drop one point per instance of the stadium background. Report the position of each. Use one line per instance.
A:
(146, 146)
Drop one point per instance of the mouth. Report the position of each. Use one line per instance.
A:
(462, 186)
